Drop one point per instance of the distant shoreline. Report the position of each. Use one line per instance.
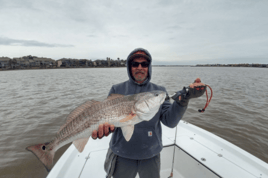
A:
(233, 65)
(59, 68)
(34, 62)
(96, 67)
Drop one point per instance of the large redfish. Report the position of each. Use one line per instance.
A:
(119, 110)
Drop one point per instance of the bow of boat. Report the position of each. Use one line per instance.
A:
(196, 152)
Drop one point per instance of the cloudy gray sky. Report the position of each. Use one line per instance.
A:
(174, 32)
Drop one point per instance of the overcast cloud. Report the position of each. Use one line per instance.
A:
(174, 32)
(13, 42)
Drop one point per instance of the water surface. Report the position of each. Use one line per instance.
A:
(35, 103)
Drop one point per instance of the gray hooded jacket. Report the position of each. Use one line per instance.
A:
(143, 144)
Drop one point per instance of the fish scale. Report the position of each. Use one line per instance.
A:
(97, 113)
(93, 117)
(118, 110)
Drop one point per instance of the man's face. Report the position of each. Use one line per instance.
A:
(139, 73)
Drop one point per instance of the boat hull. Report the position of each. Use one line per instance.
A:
(198, 153)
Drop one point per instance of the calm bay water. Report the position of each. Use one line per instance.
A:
(34, 104)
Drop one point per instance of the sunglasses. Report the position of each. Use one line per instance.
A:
(143, 64)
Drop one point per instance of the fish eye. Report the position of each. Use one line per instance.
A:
(156, 94)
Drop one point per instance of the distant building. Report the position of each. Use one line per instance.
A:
(43, 62)
(4, 62)
(59, 63)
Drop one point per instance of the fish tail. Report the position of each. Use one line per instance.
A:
(44, 153)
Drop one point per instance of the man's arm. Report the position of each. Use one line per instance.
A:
(171, 114)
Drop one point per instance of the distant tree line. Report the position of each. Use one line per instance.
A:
(232, 65)
(33, 62)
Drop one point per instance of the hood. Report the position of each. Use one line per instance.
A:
(149, 68)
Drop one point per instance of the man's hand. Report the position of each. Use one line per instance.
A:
(195, 90)
(104, 129)
(196, 83)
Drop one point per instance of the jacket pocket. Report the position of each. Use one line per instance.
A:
(145, 142)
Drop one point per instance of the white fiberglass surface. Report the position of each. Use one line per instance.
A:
(224, 158)
(72, 163)
(198, 154)
(184, 165)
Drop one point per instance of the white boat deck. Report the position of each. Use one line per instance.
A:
(198, 154)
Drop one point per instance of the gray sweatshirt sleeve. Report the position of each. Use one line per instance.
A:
(171, 114)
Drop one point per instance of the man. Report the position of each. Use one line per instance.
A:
(141, 154)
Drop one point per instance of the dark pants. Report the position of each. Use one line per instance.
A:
(147, 168)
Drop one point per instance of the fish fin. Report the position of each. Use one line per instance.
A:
(127, 131)
(129, 117)
(77, 111)
(113, 96)
(80, 144)
(44, 154)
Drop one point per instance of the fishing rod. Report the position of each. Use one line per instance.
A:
(171, 174)
(199, 110)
